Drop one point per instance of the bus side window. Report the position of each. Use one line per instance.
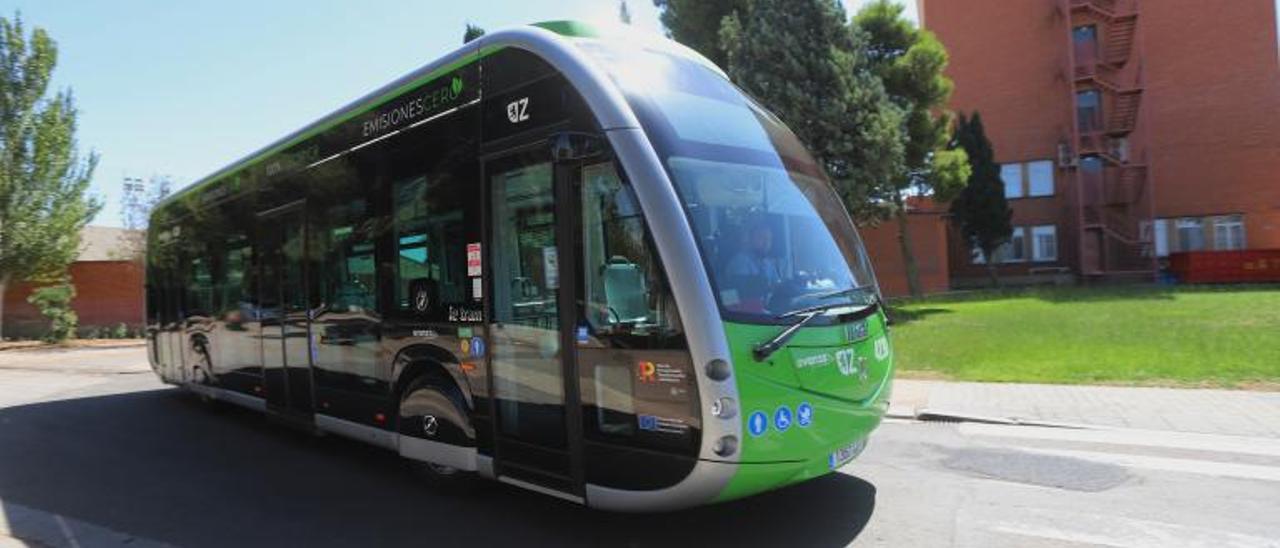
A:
(430, 243)
(348, 279)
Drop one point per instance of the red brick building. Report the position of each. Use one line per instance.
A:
(108, 288)
(1126, 129)
(927, 224)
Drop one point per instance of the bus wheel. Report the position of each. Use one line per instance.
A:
(433, 410)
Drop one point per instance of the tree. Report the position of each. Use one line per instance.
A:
(54, 302)
(980, 211)
(43, 181)
(801, 60)
(696, 23)
(910, 62)
(624, 14)
(135, 212)
(472, 33)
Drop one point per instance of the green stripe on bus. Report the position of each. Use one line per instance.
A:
(575, 29)
(363, 109)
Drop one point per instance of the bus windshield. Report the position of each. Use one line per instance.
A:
(774, 235)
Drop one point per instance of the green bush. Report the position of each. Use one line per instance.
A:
(120, 332)
(54, 302)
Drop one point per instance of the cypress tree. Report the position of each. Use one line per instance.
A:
(981, 212)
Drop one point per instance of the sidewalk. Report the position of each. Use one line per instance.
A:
(1223, 412)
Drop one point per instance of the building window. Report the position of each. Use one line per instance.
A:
(1228, 232)
(1089, 111)
(1044, 243)
(1014, 250)
(1190, 234)
(1011, 174)
(1084, 39)
(1040, 178)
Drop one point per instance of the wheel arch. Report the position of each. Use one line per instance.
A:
(421, 360)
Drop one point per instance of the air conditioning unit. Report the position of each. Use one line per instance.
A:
(1065, 157)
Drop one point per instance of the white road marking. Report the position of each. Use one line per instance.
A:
(1188, 466)
(1110, 530)
(1268, 447)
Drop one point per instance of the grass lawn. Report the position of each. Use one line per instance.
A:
(1223, 337)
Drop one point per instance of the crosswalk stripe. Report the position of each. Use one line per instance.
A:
(1189, 466)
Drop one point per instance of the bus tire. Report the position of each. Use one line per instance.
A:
(437, 398)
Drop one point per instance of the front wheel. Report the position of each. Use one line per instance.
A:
(434, 411)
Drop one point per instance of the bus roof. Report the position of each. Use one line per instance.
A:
(467, 54)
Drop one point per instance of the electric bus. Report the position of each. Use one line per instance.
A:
(575, 260)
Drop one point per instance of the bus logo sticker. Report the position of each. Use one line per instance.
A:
(804, 414)
(665, 425)
(813, 361)
(757, 423)
(477, 347)
(518, 110)
(844, 362)
(782, 418)
(421, 300)
(647, 372)
(882, 348)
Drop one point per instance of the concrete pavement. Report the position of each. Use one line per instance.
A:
(1218, 412)
(96, 454)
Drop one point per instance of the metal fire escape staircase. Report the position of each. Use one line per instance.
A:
(1113, 196)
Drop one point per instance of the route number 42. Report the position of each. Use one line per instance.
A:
(518, 110)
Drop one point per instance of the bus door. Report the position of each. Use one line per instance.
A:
(283, 312)
(536, 410)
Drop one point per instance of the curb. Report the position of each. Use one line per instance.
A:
(932, 415)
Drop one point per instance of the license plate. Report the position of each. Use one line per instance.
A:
(843, 455)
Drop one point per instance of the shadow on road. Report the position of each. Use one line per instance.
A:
(160, 465)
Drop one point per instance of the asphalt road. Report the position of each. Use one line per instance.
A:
(102, 454)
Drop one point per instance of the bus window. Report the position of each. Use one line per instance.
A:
(199, 286)
(347, 278)
(621, 277)
(429, 243)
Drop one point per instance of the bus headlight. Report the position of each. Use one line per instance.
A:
(725, 446)
(724, 408)
(718, 370)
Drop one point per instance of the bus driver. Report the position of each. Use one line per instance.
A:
(754, 270)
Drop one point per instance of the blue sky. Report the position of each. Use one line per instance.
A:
(184, 88)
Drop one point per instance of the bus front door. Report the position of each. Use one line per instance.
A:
(537, 417)
(283, 313)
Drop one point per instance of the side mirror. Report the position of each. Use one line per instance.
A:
(574, 145)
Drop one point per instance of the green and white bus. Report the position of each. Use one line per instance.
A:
(574, 260)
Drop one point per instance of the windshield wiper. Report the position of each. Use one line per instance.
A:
(840, 292)
(763, 350)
